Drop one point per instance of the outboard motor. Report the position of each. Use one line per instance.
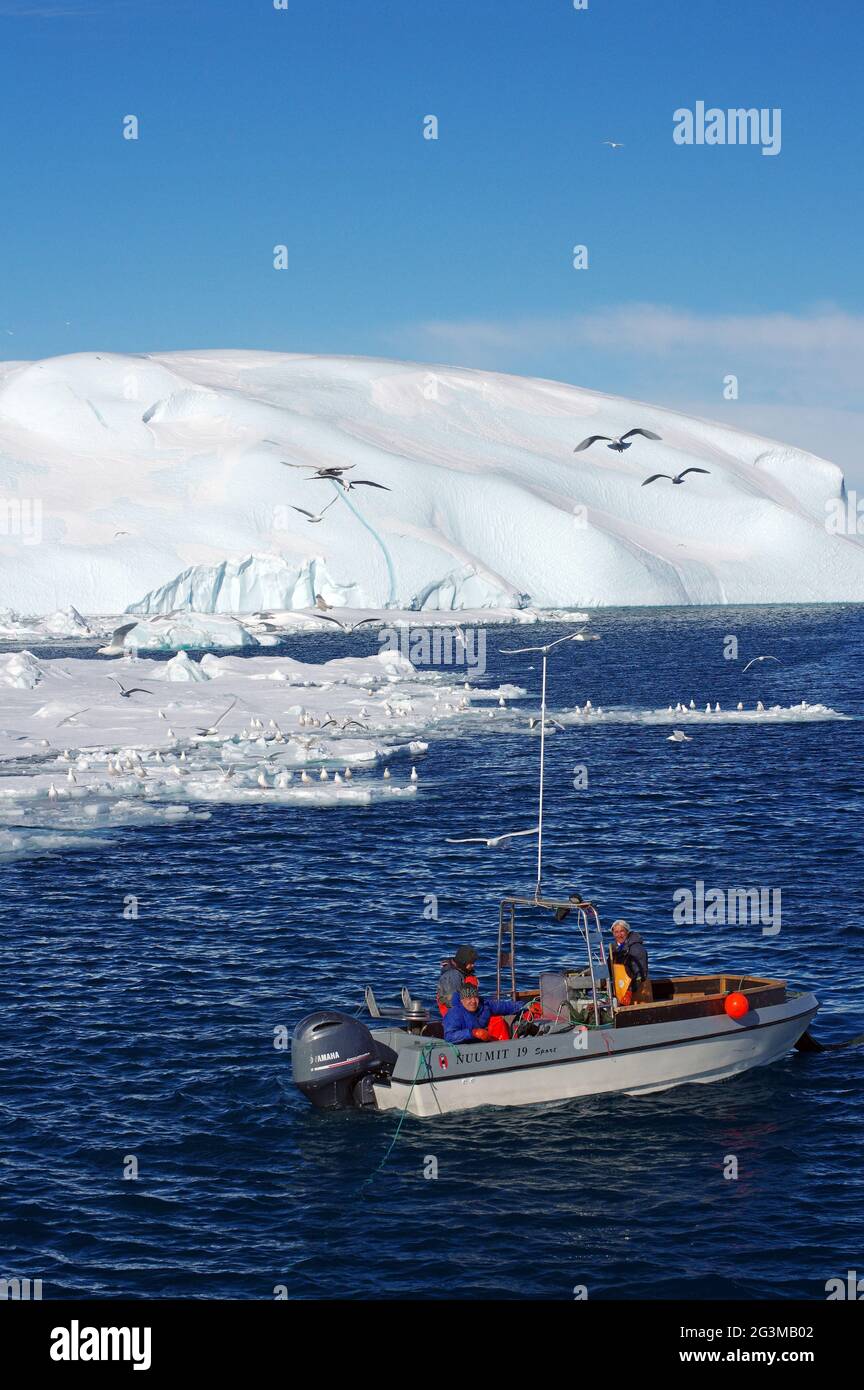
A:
(334, 1058)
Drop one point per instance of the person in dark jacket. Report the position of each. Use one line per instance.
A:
(455, 972)
(472, 1017)
(629, 951)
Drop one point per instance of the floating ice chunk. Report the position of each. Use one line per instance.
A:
(778, 714)
(20, 670)
(188, 630)
(66, 622)
(32, 844)
(182, 668)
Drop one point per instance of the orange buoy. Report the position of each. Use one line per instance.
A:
(736, 1005)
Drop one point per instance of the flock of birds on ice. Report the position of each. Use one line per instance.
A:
(337, 748)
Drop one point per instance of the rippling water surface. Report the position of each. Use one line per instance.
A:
(153, 1038)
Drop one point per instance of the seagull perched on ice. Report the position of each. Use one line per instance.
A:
(678, 737)
(134, 690)
(494, 841)
(678, 478)
(759, 658)
(619, 443)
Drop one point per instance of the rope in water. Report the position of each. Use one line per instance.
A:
(424, 1053)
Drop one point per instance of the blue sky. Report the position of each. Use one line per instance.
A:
(303, 126)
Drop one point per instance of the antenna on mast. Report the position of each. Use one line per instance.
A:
(570, 637)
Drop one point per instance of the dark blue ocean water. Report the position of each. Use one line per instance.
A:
(155, 1038)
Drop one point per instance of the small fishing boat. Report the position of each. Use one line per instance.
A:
(580, 1031)
(573, 1038)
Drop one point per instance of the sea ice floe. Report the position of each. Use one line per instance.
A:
(802, 712)
(77, 752)
(20, 670)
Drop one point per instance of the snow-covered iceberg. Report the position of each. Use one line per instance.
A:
(156, 482)
(183, 630)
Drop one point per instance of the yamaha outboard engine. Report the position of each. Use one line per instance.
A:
(334, 1058)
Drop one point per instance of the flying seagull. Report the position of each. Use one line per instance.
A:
(678, 736)
(332, 471)
(494, 841)
(760, 658)
(622, 442)
(70, 718)
(214, 727)
(569, 637)
(679, 477)
(116, 646)
(363, 482)
(135, 690)
(311, 515)
(348, 627)
(614, 144)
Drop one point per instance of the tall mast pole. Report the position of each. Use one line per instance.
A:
(512, 651)
(537, 891)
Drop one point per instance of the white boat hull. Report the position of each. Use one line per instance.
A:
(437, 1078)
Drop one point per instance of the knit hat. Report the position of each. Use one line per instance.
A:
(469, 992)
(465, 955)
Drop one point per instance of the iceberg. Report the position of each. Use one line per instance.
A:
(185, 630)
(156, 483)
(20, 670)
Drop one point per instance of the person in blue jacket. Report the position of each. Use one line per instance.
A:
(471, 1017)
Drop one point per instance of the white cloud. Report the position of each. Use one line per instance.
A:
(820, 352)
